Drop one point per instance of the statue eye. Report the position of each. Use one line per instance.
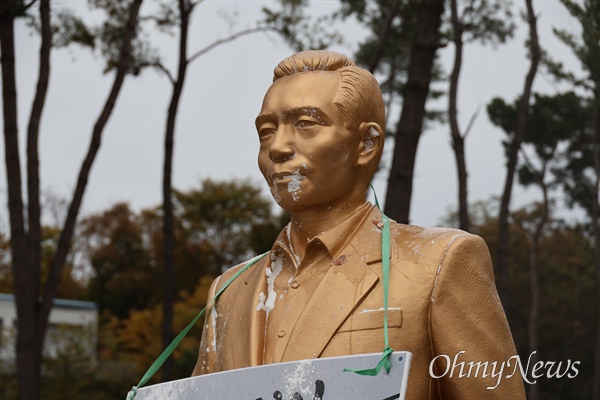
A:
(266, 131)
(305, 123)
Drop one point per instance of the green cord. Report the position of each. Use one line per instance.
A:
(167, 352)
(385, 265)
(383, 363)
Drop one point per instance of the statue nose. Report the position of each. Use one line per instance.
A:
(281, 147)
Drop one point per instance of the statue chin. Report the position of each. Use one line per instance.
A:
(288, 203)
(288, 195)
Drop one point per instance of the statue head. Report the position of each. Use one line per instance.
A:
(321, 131)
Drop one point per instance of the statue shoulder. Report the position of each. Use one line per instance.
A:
(429, 237)
(229, 273)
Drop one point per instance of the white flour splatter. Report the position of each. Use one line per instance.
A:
(292, 247)
(272, 272)
(297, 380)
(275, 191)
(213, 318)
(294, 184)
(431, 232)
(369, 142)
(381, 309)
(261, 302)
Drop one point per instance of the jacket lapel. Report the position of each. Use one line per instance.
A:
(338, 294)
(249, 324)
(343, 288)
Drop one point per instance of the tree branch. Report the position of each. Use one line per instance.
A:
(472, 121)
(32, 2)
(66, 235)
(158, 65)
(512, 157)
(529, 163)
(227, 40)
(383, 37)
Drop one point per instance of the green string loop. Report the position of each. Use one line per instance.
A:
(132, 393)
(384, 362)
(167, 352)
(385, 265)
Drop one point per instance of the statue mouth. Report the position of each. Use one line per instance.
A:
(292, 180)
(279, 176)
(286, 176)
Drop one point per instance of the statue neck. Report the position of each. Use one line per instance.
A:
(305, 226)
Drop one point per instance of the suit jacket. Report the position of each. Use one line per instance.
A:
(443, 306)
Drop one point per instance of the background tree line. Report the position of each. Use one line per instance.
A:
(547, 269)
(119, 252)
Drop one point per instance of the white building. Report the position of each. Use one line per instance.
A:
(72, 326)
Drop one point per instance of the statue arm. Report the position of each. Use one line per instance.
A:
(206, 352)
(467, 317)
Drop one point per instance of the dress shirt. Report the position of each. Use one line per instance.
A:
(296, 278)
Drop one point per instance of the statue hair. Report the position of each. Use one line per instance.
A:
(359, 98)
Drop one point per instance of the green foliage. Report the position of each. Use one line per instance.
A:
(554, 124)
(217, 226)
(484, 21)
(106, 37)
(582, 170)
(71, 287)
(587, 46)
(134, 339)
(579, 175)
(110, 36)
(568, 285)
(480, 212)
(232, 217)
(503, 115)
(297, 28)
(69, 28)
(166, 18)
(6, 278)
(396, 48)
(393, 45)
(123, 275)
(73, 361)
(567, 309)
(554, 119)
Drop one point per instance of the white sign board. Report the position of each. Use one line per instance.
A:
(316, 379)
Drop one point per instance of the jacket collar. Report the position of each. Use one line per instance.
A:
(343, 288)
(326, 310)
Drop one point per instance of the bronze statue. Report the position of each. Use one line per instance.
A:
(318, 293)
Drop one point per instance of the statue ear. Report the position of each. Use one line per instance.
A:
(371, 143)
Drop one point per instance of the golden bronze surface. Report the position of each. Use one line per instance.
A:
(319, 292)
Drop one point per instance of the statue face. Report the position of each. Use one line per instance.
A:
(307, 155)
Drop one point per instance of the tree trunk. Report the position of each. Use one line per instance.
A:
(28, 364)
(384, 36)
(426, 43)
(596, 228)
(534, 282)
(515, 145)
(64, 242)
(33, 174)
(458, 142)
(168, 220)
(534, 312)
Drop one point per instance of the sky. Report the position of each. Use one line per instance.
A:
(215, 135)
